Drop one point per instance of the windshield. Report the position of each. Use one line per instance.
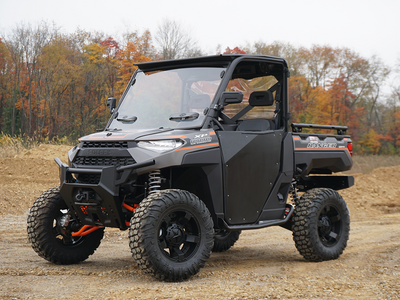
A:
(169, 99)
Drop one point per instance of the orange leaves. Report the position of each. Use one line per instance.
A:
(94, 53)
(319, 105)
(64, 92)
(126, 60)
(235, 50)
(369, 143)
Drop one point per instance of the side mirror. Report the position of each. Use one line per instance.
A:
(231, 98)
(112, 103)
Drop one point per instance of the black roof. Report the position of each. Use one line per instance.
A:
(222, 60)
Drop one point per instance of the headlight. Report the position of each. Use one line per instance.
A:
(161, 145)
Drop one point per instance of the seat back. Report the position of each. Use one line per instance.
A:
(261, 98)
(258, 98)
(254, 125)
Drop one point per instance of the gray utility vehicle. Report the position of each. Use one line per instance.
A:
(197, 150)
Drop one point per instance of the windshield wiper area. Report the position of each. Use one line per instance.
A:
(127, 119)
(179, 117)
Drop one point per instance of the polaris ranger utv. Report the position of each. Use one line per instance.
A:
(196, 151)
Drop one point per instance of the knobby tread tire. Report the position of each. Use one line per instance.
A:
(305, 224)
(224, 240)
(144, 231)
(43, 238)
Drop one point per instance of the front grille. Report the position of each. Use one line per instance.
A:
(105, 145)
(89, 178)
(103, 161)
(86, 159)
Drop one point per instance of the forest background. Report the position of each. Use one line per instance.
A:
(53, 85)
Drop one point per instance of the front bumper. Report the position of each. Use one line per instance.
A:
(96, 204)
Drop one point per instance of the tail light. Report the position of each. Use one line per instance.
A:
(350, 147)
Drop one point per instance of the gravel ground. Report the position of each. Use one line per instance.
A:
(263, 264)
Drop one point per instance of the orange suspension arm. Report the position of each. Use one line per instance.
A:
(85, 230)
(130, 208)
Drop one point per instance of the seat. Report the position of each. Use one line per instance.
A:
(254, 125)
(259, 98)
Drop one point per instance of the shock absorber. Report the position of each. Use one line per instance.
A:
(154, 181)
(293, 190)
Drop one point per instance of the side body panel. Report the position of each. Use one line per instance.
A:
(321, 154)
(251, 166)
(202, 175)
(276, 203)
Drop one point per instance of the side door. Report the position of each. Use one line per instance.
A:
(250, 147)
(251, 163)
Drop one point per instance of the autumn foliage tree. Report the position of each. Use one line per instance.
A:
(55, 84)
(235, 50)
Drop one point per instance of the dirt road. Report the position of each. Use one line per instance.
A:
(264, 264)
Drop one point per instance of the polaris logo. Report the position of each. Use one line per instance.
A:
(99, 152)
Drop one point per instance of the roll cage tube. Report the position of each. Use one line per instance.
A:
(283, 103)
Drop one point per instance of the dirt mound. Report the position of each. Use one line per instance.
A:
(24, 177)
(263, 264)
(374, 193)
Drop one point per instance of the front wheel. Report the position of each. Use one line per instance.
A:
(50, 235)
(321, 225)
(171, 235)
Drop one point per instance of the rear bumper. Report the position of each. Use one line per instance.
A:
(96, 204)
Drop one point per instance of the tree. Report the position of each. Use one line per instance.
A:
(5, 82)
(235, 50)
(173, 41)
(318, 63)
(369, 144)
(111, 50)
(58, 73)
(126, 59)
(143, 43)
(280, 49)
(26, 43)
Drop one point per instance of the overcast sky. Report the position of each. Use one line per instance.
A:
(368, 27)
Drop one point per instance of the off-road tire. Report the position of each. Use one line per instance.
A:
(321, 225)
(47, 241)
(171, 235)
(223, 240)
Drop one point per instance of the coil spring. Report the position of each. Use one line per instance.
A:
(154, 181)
(295, 195)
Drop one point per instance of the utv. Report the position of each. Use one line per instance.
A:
(195, 151)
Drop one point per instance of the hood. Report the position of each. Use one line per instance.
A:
(122, 135)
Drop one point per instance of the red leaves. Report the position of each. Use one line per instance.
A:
(235, 50)
(111, 47)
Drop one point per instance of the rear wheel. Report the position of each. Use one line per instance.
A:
(171, 235)
(49, 231)
(223, 239)
(321, 225)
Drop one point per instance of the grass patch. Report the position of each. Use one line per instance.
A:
(11, 146)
